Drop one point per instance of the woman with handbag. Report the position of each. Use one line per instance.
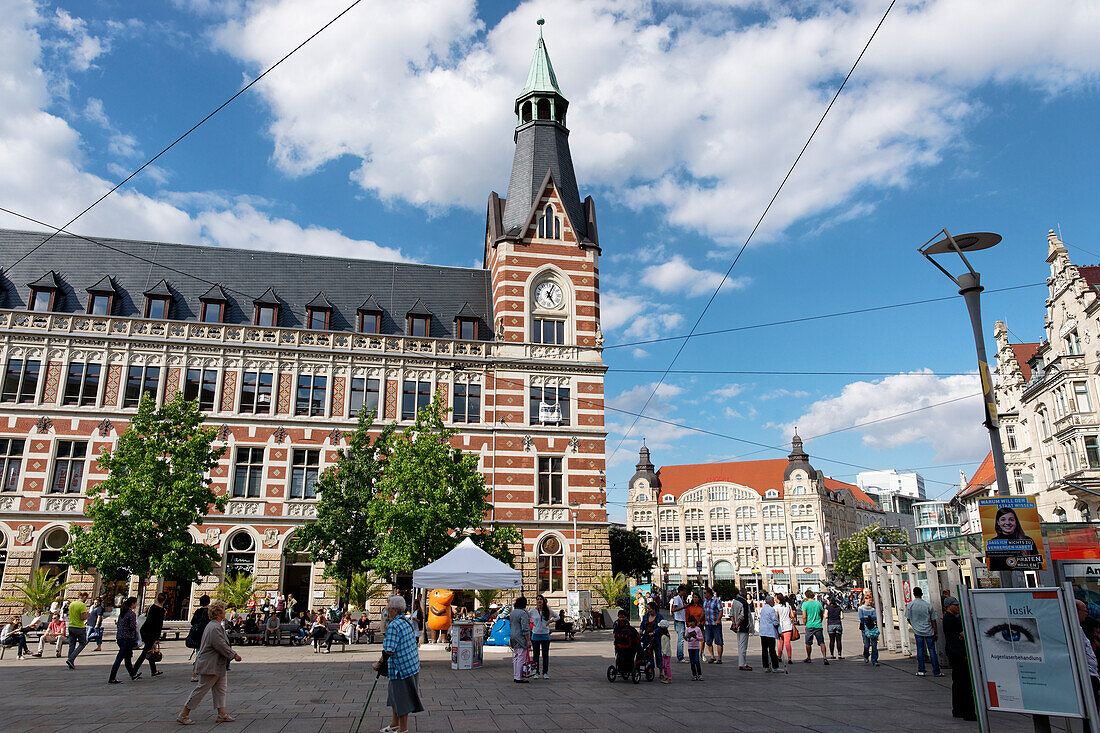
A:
(788, 632)
(126, 636)
(868, 625)
(150, 635)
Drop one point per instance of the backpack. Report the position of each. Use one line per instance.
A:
(194, 636)
(746, 615)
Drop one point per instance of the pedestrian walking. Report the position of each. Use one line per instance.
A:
(519, 623)
(769, 634)
(868, 626)
(962, 691)
(212, 667)
(741, 623)
(78, 632)
(199, 619)
(401, 660)
(783, 609)
(150, 635)
(834, 627)
(712, 628)
(540, 636)
(650, 627)
(126, 636)
(922, 617)
(664, 645)
(812, 617)
(94, 624)
(694, 637)
(678, 608)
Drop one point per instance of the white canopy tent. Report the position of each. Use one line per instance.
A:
(467, 567)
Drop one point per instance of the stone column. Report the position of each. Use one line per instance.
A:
(595, 557)
(17, 570)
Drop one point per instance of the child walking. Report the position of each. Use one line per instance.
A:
(694, 638)
(665, 640)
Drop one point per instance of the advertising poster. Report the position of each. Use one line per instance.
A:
(1011, 533)
(1024, 652)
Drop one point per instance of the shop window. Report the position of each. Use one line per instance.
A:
(240, 556)
(49, 557)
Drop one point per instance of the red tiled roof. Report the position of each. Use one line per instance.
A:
(833, 485)
(1024, 352)
(982, 478)
(757, 475)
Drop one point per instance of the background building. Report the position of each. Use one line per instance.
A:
(936, 520)
(881, 483)
(770, 524)
(282, 351)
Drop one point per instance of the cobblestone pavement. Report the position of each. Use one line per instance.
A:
(291, 689)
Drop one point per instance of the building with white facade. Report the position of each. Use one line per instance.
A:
(890, 481)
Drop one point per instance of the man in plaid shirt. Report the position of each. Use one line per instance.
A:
(712, 625)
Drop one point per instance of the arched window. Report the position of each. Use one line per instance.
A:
(771, 494)
(803, 532)
(693, 514)
(771, 510)
(745, 512)
(719, 493)
(797, 490)
(525, 113)
(668, 499)
(719, 512)
(645, 536)
(692, 496)
(543, 108)
(550, 564)
(240, 559)
(549, 224)
(1060, 514)
(723, 570)
(49, 557)
(668, 515)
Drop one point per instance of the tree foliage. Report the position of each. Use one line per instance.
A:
(362, 589)
(629, 555)
(613, 588)
(157, 486)
(852, 551)
(724, 588)
(237, 590)
(38, 592)
(343, 535)
(398, 501)
(432, 495)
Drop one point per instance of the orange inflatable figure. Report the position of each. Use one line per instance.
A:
(439, 609)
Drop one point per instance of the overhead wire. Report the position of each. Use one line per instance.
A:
(194, 127)
(756, 227)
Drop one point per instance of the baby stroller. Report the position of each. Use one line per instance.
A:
(632, 659)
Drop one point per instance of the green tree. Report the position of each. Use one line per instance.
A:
(38, 592)
(362, 589)
(629, 555)
(432, 495)
(238, 589)
(486, 598)
(851, 552)
(344, 535)
(724, 588)
(157, 486)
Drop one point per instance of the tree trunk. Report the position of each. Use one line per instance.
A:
(142, 582)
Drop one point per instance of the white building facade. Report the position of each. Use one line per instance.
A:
(890, 481)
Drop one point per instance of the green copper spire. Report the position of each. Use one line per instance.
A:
(541, 77)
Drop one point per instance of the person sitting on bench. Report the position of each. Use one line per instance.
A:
(560, 624)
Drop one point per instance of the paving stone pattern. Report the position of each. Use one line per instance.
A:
(291, 689)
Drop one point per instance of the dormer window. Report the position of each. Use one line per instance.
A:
(267, 309)
(419, 320)
(370, 316)
(158, 301)
(44, 293)
(466, 323)
(101, 297)
(319, 313)
(549, 224)
(213, 303)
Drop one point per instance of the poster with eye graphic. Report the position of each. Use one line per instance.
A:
(1026, 658)
(1011, 534)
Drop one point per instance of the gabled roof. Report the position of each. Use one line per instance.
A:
(160, 290)
(268, 298)
(466, 312)
(541, 77)
(214, 293)
(1023, 354)
(370, 305)
(419, 309)
(983, 478)
(758, 475)
(319, 302)
(105, 285)
(46, 282)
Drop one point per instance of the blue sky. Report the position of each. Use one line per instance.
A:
(384, 136)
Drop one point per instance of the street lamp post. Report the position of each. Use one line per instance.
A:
(664, 569)
(970, 288)
(698, 562)
(575, 506)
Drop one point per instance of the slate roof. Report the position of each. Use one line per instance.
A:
(542, 145)
(193, 272)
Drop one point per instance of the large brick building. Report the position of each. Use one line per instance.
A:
(283, 350)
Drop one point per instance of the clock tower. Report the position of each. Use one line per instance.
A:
(542, 253)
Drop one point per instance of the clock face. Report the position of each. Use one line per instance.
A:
(548, 294)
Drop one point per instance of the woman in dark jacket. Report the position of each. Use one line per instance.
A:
(127, 637)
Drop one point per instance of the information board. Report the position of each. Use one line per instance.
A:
(1026, 658)
(1011, 533)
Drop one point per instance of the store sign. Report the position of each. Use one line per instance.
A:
(779, 577)
(549, 412)
(1027, 659)
(807, 571)
(1011, 534)
(1089, 571)
(803, 577)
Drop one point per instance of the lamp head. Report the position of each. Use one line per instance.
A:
(971, 242)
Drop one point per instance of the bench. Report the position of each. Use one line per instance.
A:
(331, 627)
(175, 627)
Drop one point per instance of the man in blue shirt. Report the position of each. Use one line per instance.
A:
(402, 660)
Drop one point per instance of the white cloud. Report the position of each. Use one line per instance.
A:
(686, 107)
(657, 434)
(783, 392)
(41, 173)
(639, 353)
(677, 276)
(953, 430)
(730, 390)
